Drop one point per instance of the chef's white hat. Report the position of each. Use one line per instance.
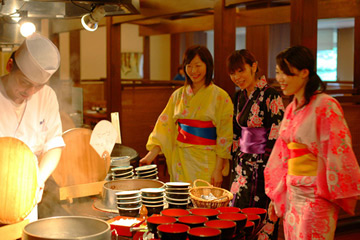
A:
(38, 58)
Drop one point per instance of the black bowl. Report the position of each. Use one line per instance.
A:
(178, 205)
(176, 200)
(258, 211)
(193, 220)
(170, 185)
(173, 231)
(152, 192)
(239, 218)
(154, 209)
(122, 169)
(206, 212)
(154, 221)
(254, 218)
(128, 199)
(227, 228)
(204, 233)
(249, 228)
(180, 190)
(133, 204)
(175, 212)
(129, 212)
(228, 209)
(153, 203)
(177, 195)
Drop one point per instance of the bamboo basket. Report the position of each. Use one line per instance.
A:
(223, 196)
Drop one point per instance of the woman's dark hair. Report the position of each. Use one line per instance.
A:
(238, 59)
(301, 57)
(205, 56)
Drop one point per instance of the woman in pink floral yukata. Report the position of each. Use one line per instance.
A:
(258, 110)
(312, 171)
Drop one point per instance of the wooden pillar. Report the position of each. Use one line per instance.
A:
(257, 42)
(146, 49)
(55, 38)
(303, 22)
(224, 43)
(113, 69)
(174, 54)
(74, 37)
(357, 55)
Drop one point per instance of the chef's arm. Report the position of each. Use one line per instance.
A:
(217, 176)
(48, 163)
(150, 156)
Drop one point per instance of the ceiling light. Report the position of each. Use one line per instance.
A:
(90, 20)
(27, 28)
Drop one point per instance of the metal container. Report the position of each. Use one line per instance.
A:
(67, 227)
(110, 188)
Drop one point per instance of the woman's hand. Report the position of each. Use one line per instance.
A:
(272, 214)
(217, 178)
(145, 161)
(150, 156)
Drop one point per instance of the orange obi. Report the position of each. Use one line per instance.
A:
(302, 162)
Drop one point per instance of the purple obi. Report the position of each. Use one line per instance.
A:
(253, 140)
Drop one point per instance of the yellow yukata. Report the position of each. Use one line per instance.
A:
(189, 161)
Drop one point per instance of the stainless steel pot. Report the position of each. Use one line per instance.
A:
(67, 227)
(110, 188)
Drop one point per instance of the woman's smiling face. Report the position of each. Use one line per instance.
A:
(292, 84)
(245, 78)
(196, 70)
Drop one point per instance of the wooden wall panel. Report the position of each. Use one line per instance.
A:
(304, 23)
(113, 74)
(357, 55)
(75, 55)
(257, 42)
(224, 44)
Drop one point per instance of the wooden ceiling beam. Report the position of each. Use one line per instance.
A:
(230, 3)
(161, 8)
(179, 26)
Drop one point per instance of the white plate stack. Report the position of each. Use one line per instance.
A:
(147, 172)
(177, 194)
(122, 172)
(153, 200)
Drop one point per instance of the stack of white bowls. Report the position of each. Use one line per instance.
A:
(177, 194)
(153, 200)
(128, 203)
(122, 172)
(147, 172)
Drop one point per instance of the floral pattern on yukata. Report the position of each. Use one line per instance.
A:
(263, 108)
(310, 204)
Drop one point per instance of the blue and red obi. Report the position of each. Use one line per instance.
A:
(196, 132)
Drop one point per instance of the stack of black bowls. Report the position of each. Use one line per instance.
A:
(122, 172)
(128, 203)
(177, 194)
(147, 172)
(153, 200)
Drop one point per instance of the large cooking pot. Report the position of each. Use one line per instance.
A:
(67, 227)
(108, 201)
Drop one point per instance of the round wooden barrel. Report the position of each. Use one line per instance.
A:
(18, 174)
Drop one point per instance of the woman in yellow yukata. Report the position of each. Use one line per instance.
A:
(194, 131)
(312, 171)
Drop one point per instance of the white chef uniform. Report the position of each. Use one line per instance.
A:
(36, 121)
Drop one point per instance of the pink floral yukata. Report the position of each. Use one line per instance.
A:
(312, 170)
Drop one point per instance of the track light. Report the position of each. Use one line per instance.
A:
(90, 20)
(27, 28)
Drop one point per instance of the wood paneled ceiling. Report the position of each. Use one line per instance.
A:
(166, 17)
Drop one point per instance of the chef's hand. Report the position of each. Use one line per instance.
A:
(217, 178)
(40, 192)
(271, 211)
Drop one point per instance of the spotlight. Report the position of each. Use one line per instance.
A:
(90, 20)
(27, 28)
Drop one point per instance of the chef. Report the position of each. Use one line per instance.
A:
(30, 110)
